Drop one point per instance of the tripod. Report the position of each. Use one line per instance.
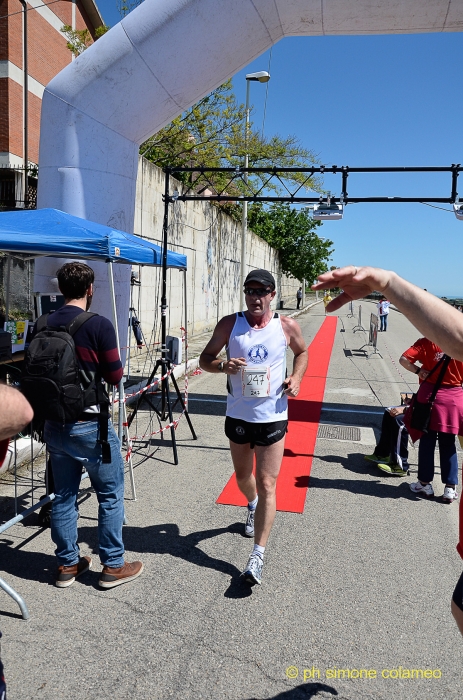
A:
(164, 408)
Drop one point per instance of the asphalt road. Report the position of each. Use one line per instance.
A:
(358, 585)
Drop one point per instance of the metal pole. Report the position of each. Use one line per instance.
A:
(122, 414)
(129, 336)
(244, 222)
(165, 397)
(454, 193)
(165, 227)
(25, 104)
(185, 297)
(16, 597)
(121, 383)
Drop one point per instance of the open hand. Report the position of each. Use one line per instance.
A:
(356, 283)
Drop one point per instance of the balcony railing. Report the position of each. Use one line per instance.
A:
(12, 195)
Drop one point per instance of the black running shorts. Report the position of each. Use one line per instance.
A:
(242, 432)
(458, 594)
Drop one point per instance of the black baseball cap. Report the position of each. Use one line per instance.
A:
(263, 276)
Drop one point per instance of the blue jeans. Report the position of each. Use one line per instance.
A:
(383, 320)
(447, 454)
(71, 447)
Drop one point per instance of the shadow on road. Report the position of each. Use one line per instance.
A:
(302, 692)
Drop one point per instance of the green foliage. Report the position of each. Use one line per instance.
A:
(126, 6)
(99, 31)
(212, 134)
(80, 39)
(303, 254)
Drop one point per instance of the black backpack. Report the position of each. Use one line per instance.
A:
(52, 383)
(51, 379)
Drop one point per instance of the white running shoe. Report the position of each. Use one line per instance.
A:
(249, 525)
(426, 490)
(450, 494)
(253, 570)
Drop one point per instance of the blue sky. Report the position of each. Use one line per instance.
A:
(394, 101)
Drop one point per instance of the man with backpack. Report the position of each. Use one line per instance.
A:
(70, 355)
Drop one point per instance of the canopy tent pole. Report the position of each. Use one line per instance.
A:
(185, 297)
(116, 328)
(122, 417)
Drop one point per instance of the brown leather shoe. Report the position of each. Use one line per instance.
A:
(68, 574)
(111, 577)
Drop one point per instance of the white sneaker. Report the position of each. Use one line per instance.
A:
(249, 525)
(253, 570)
(426, 491)
(450, 494)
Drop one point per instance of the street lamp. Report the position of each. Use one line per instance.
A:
(261, 77)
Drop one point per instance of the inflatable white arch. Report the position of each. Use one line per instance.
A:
(162, 58)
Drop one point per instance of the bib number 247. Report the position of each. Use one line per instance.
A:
(255, 381)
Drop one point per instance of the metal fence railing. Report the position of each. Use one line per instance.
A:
(14, 192)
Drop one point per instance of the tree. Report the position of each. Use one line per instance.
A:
(81, 39)
(303, 255)
(126, 6)
(212, 134)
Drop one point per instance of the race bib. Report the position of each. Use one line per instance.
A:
(255, 382)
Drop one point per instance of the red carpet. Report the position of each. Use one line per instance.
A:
(304, 417)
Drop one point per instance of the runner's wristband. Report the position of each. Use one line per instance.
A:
(418, 370)
(220, 366)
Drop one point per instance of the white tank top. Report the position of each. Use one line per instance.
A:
(256, 393)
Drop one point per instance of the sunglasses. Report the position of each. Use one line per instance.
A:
(259, 292)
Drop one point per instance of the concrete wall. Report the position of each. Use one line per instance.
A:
(211, 240)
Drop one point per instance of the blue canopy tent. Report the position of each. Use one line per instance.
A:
(55, 233)
(50, 232)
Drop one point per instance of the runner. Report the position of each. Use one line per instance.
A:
(257, 405)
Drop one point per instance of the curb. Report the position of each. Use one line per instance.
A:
(24, 451)
(306, 308)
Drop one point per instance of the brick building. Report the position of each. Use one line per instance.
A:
(40, 21)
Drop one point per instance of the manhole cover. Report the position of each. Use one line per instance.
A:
(339, 432)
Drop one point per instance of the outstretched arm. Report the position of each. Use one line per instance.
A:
(435, 319)
(15, 412)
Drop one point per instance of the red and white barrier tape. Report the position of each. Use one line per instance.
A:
(145, 388)
(174, 423)
(148, 435)
(397, 367)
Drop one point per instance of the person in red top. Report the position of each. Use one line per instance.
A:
(437, 320)
(446, 416)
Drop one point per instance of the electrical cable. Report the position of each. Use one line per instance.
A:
(266, 91)
(434, 207)
(202, 229)
(45, 4)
